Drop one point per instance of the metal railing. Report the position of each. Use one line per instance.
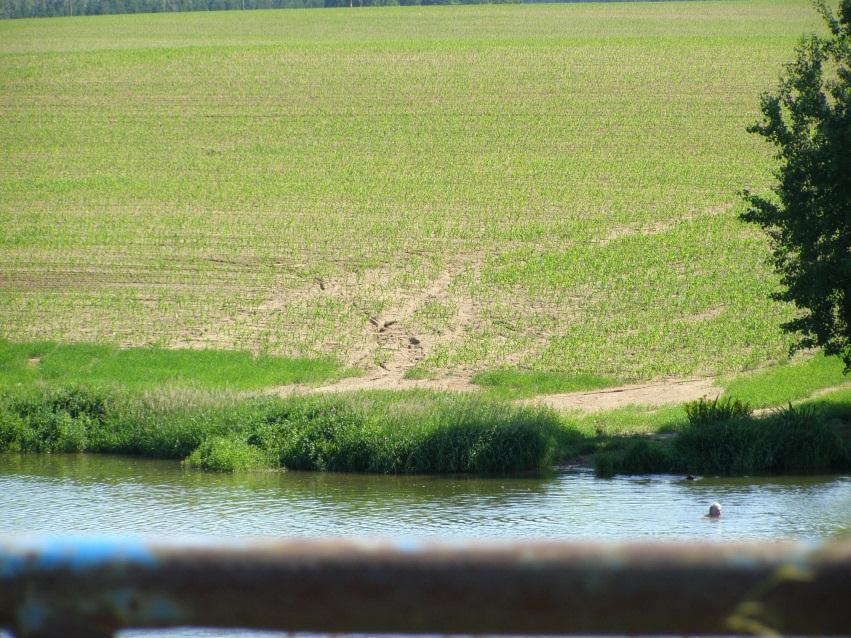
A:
(74, 587)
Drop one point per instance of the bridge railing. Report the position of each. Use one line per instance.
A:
(74, 587)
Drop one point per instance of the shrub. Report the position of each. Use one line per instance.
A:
(471, 434)
(722, 446)
(56, 420)
(795, 439)
(790, 440)
(227, 454)
(315, 437)
(13, 431)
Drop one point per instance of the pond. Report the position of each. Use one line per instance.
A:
(78, 494)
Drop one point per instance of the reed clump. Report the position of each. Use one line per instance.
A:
(726, 438)
(381, 432)
(790, 439)
(228, 454)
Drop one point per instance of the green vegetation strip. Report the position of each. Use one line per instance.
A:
(415, 432)
(725, 438)
(136, 368)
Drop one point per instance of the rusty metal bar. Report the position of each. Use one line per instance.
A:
(95, 586)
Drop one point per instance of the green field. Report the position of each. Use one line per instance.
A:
(547, 187)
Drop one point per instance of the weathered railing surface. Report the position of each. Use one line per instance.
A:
(92, 587)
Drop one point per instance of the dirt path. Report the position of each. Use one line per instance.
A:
(651, 394)
(384, 380)
(658, 393)
(381, 379)
(825, 392)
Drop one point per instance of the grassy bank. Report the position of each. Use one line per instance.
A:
(382, 432)
(192, 405)
(753, 428)
(418, 432)
(792, 381)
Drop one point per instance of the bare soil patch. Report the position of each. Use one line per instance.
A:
(395, 381)
(651, 394)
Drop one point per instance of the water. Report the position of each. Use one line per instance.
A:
(118, 495)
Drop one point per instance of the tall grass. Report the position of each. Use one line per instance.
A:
(725, 439)
(704, 411)
(790, 440)
(371, 432)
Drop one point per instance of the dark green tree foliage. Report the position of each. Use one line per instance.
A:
(809, 220)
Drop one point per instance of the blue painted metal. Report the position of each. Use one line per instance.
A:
(18, 554)
(73, 587)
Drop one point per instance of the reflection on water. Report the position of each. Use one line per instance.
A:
(116, 495)
(100, 494)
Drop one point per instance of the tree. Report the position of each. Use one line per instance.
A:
(808, 218)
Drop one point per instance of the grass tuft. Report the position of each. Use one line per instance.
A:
(705, 411)
(226, 454)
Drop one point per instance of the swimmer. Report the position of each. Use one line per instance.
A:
(714, 510)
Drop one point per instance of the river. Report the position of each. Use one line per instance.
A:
(89, 494)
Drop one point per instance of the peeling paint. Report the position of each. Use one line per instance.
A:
(10, 565)
(32, 615)
(161, 609)
(132, 605)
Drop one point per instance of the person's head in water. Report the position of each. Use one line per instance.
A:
(715, 510)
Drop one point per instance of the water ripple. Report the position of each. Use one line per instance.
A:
(79, 494)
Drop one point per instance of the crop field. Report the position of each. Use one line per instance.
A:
(433, 190)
